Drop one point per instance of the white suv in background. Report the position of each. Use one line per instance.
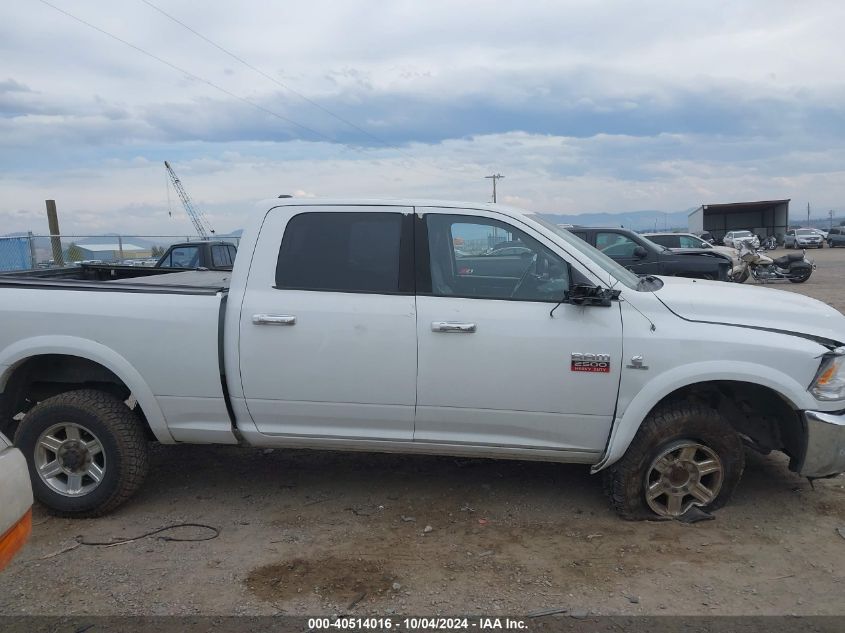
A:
(733, 238)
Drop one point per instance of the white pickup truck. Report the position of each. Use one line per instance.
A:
(421, 327)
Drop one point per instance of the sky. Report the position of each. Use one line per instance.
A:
(583, 106)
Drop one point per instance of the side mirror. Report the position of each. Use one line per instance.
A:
(589, 295)
(640, 252)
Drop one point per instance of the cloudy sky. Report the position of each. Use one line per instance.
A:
(585, 106)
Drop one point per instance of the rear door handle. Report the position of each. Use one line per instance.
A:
(452, 326)
(273, 319)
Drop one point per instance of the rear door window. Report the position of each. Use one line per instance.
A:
(220, 256)
(669, 241)
(346, 252)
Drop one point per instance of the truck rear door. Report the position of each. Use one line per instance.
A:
(328, 344)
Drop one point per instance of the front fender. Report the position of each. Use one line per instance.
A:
(627, 423)
(22, 350)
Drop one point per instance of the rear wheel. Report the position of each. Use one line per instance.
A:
(86, 451)
(801, 277)
(683, 455)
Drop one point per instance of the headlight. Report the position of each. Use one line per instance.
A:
(829, 383)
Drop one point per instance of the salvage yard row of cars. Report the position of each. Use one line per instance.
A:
(361, 325)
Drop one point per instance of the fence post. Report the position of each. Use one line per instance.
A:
(55, 235)
(32, 259)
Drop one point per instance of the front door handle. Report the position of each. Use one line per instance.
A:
(273, 319)
(452, 326)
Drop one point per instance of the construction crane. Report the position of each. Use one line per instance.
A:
(201, 223)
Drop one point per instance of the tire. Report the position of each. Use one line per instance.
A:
(742, 277)
(669, 431)
(57, 435)
(7, 423)
(802, 278)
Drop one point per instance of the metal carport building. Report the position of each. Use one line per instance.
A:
(763, 218)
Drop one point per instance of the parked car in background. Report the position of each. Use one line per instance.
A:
(689, 240)
(802, 238)
(707, 236)
(509, 251)
(15, 500)
(836, 236)
(733, 238)
(644, 257)
(821, 232)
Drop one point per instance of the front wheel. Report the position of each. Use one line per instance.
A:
(683, 455)
(86, 451)
(741, 277)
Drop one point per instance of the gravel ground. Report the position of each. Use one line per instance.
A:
(306, 532)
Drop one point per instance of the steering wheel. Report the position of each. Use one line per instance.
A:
(524, 276)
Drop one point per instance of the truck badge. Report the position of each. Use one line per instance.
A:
(594, 363)
(636, 363)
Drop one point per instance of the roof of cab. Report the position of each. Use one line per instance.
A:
(350, 203)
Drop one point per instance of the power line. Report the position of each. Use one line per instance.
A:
(285, 86)
(267, 76)
(190, 74)
(232, 94)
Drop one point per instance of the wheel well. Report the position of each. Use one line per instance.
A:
(41, 377)
(764, 419)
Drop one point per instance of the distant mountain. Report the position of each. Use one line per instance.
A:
(636, 220)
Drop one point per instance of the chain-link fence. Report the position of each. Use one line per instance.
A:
(26, 252)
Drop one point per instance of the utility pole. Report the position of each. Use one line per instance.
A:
(55, 234)
(830, 214)
(808, 214)
(494, 177)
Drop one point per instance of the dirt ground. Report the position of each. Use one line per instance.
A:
(327, 533)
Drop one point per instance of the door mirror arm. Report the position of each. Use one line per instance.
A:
(588, 295)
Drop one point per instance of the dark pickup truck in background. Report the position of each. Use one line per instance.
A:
(200, 255)
(644, 257)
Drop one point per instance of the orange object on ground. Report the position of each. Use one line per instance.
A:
(15, 538)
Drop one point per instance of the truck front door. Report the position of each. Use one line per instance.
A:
(494, 367)
(328, 324)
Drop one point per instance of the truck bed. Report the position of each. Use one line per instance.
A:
(118, 279)
(189, 278)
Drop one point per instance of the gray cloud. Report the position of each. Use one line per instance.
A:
(587, 106)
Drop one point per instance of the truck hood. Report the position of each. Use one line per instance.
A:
(753, 307)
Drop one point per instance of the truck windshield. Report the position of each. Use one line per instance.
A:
(624, 275)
